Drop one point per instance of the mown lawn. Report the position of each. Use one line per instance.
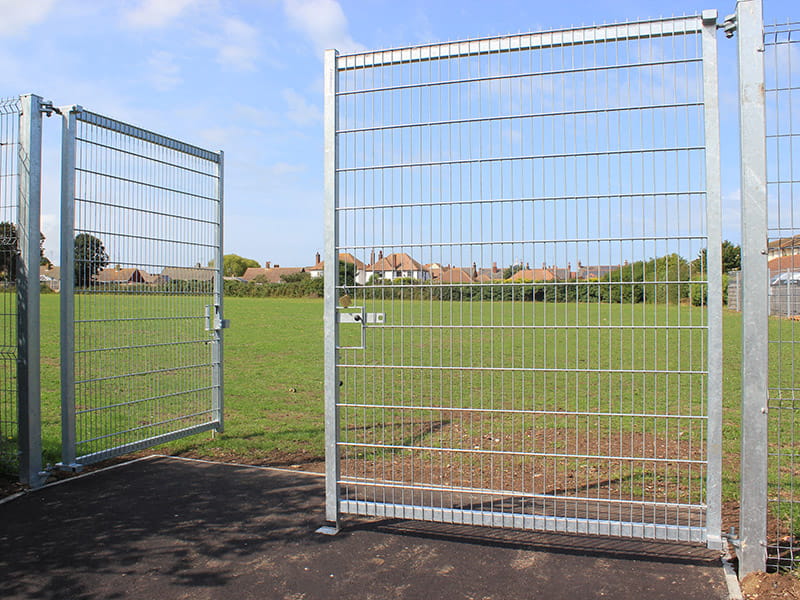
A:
(273, 383)
(274, 367)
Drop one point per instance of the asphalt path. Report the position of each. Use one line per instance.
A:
(165, 528)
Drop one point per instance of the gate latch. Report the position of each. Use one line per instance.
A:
(214, 320)
(358, 315)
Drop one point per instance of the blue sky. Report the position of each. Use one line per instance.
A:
(246, 77)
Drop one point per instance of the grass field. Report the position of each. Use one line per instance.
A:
(274, 368)
(274, 379)
(273, 383)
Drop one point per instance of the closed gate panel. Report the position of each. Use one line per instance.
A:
(516, 307)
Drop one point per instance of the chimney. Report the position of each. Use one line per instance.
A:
(267, 265)
(494, 267)
(580, 266)
(372, 257)
(625, 264)
(318, 260)
(474, 271)
(380, 254)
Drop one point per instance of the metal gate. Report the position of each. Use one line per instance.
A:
(516, 233)
(141, 289)
(20, 191)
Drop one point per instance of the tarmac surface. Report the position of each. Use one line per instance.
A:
(172, 528)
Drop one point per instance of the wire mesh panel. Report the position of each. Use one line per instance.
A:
(782, 74)
(517, 231)
(9, 250)
(141, 289)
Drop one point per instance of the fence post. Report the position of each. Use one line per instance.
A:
(714, 277)
(28, 231)
(754, 294)
(68, 451)
(219, 294)
(331, 279)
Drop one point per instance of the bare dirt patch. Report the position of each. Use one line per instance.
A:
(771, 586)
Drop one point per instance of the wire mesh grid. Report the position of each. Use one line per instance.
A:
(518, 222)
(9, 248)
(147, 247)
(782, 74)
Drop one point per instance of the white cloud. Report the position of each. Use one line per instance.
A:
(300, 111)
(157, 13)
(18, 16)
(285, 168)
(237, 46)
(258, 116)
(162, 72)
(323, 22)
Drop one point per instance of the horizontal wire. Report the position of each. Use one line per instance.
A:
(354, 481)
(512, 117)
(520, 411)
(488, 201)
(479, 160)
(531, 453)
(508, 76)
(520, 369)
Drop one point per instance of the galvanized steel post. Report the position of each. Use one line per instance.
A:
(28, 228)
(714, 276)
(331, 279)
(218, 383)
(755, 305)
(67, 288)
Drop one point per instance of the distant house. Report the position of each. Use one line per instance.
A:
(544, 274)
(318, 270)
(586, 272)
(269, 274)
(788, 263)
(788, 246)
(487, 275)
(454, 275)
(188, 274)
(394, 266)
(124, 276)
(50, 276)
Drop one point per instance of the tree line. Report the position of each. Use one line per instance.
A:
(90, 255)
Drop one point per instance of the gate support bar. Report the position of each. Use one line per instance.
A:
(755, 275)
(28, 228)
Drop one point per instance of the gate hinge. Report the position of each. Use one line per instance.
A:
(48, 109)
(728, 25)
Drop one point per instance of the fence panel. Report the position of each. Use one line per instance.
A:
(141, 288)
(9, 185)
(782, 74)
(20, 197)
(511, 231)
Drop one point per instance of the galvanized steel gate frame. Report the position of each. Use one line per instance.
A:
(415, 497)
(142, 364)
(118, 177)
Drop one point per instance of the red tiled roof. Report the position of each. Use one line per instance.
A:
(396, 262)
(272, 275)
(454, 275)
(784, 264)
(344, 257)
